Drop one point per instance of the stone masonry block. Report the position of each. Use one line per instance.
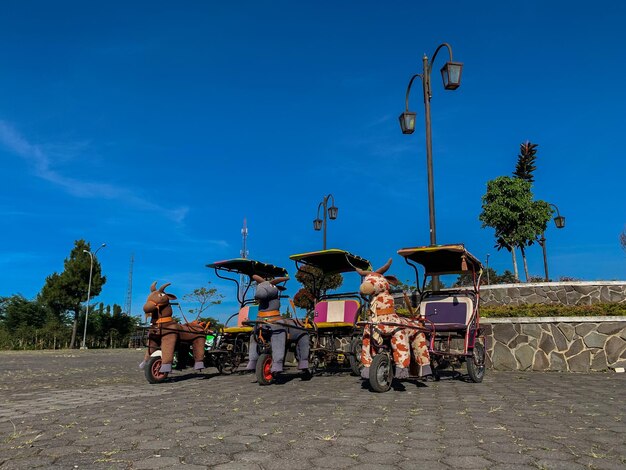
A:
(531, 329)
(504, 332)
(583, 328)
(558, 362)
(524, 355)
(595, 340)
(576, 347)
(503, 358)
(614, 348)
(541, 361)
(580, 362)
(598, 361)
(546, 344)
(567, 330)
(611, 328)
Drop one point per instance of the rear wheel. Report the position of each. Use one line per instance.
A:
(356, 345)
(152, 370)
(381, 373)
(476, 363)
(264, 369)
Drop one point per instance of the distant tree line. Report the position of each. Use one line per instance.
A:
(56, 316)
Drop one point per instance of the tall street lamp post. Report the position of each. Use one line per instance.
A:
(559, 221)
(451, 75)
(331, 211)
(91, 255)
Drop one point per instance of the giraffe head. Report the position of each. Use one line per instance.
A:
(375, 282)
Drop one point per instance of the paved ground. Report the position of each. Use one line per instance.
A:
(94, 409)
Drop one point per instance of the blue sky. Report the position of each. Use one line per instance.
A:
(157, 128)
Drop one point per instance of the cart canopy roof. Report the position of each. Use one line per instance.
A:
(442, 259)
(333, 261)
(249, 267)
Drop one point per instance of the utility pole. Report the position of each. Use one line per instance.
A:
(129, 291)
(244, 254)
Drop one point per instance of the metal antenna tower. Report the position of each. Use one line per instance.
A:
(129, 292)
(244, 254)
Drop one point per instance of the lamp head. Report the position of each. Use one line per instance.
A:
(407, 122)
(559, 221)
(451, 74)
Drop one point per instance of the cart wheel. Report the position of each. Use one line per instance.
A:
(356, 345)
(263, 369)
(476, 363)
(227, 363)
(381, 373)
(152, 370)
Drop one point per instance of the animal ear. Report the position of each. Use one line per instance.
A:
(383, 269)
(278, 280)
(393, 280)
(153, 286)
(258, 278)
(170, 296)
(361, 272)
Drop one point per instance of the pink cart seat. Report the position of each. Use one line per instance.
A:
(336, 313)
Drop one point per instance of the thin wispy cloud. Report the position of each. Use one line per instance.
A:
(42, 162)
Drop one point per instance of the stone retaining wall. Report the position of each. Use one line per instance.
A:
(554, 293)
(575, 344)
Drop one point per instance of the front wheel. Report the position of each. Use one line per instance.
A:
(381, 373)
(264, 369)
(151, 370)
(356, 345)
(476, 363)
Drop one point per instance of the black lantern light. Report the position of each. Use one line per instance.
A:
(451, 74)
(317, 224)
(332, 212)
(559, 221)
(407, 122)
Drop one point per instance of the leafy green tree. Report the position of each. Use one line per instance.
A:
(66, 291)
(507, 277)
(526, 162)
(509, 209)
(17, 310)
(314, 285)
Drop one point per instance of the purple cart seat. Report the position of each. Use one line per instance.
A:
(448, 313)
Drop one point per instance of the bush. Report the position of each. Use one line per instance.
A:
(540, 310)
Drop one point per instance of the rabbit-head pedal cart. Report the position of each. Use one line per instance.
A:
(234, 339)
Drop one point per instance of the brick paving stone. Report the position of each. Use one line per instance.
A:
(157, 462)
(511, 420)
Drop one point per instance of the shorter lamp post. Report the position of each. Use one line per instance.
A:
(319, 224)
(91, 255)
(488, 255)
(559, 221)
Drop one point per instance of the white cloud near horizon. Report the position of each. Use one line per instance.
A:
(41, 162)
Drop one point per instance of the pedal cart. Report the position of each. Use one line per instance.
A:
(335, 337)
(452, 317)
(170, 344)
(231, 345)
